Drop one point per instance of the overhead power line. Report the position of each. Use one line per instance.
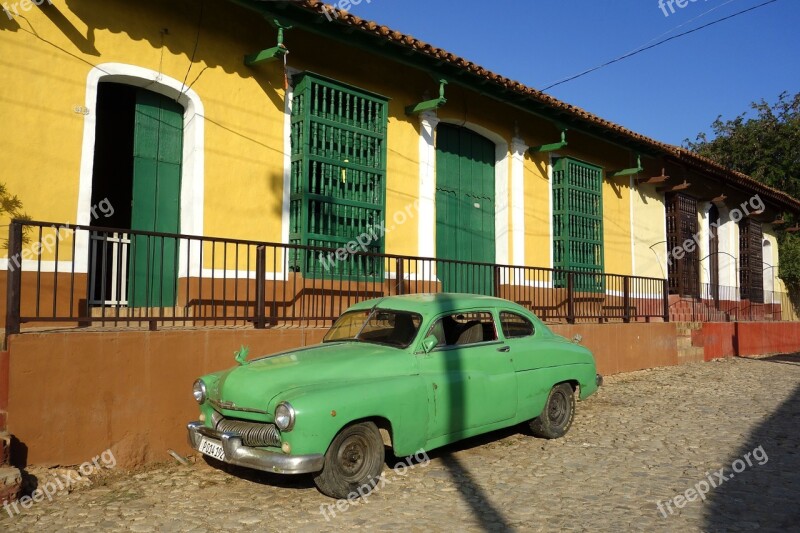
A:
(659, 43)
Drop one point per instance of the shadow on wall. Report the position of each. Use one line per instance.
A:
(216, 35)
(8, 23)
(84, 43)
(763, 496)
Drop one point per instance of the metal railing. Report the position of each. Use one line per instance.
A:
(721, 303)
(63, 274)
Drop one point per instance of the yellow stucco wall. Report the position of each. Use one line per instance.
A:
(48, 55)
(538, 242)
(649, 219)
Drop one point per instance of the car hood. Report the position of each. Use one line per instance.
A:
(253, 385)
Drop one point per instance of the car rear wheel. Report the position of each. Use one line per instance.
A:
(353, 462)
(558, 413)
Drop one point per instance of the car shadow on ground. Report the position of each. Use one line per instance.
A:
(306, 481)
(762, 495)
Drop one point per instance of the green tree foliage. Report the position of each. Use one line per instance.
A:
(10, 208)
(765, 146)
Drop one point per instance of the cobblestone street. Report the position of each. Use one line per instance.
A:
(645, 438)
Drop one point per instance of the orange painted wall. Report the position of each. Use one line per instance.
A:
(131, 391)
(75, 394)
(619, 348)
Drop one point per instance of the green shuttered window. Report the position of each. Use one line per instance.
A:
(338, 175)
(578, 223)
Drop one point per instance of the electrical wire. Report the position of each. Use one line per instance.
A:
(194, 52)
(681, 25)
(645, 48)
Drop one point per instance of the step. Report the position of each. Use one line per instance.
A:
(10, 484)
(5, 448)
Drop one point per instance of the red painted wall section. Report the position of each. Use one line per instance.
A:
(759, 338)
(718, 340)
(750, 338)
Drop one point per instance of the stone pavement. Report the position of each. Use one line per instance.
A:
(646, 438)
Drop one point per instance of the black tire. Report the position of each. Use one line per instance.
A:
(558, 413)
(353, 462)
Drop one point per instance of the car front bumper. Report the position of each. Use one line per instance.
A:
(237, 453)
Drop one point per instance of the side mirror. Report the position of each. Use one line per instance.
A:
(577, 338)
(429, 343)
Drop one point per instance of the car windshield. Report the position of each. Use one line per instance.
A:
(379, 326)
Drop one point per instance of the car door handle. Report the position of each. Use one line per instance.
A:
(504, 349)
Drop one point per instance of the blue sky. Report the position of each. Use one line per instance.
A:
(669, 93)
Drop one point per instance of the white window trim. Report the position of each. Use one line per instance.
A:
(427, 184)
(518, 150)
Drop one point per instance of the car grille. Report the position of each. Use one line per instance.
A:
(252, 433)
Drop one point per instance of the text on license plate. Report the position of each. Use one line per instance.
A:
(212, 449)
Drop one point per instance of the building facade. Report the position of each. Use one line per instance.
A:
(298, 124)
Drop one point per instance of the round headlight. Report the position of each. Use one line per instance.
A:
(199, 391)
(284, 416)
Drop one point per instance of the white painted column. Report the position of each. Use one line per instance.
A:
(728, 233)
(518, 150)
(427, 184)
(631, 192)
(501, 229)
(287, 161)
(704, 230)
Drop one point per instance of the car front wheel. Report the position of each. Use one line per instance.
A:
(558, 413)
(353, 462)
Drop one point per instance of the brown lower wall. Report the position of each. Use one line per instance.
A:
(4, 377)
(621, 348)
(75, 394)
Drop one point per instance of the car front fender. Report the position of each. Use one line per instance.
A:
(323, 410)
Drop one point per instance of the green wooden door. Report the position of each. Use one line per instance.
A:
(158, 149)
(464, 209)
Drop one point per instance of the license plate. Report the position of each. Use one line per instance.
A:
(212, 449)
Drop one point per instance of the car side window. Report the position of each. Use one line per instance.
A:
(515, 326)
(462, 329)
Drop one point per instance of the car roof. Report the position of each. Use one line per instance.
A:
(442, 302)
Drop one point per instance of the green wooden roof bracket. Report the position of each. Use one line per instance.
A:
(270, 54)
(552, 146)
(429, 105)
(628, 171)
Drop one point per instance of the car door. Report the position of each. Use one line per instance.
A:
(535, 354)
(469, 376)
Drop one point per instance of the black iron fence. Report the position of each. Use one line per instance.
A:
(62, 274)
(721, 303)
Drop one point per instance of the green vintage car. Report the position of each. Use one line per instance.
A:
(412, 372)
